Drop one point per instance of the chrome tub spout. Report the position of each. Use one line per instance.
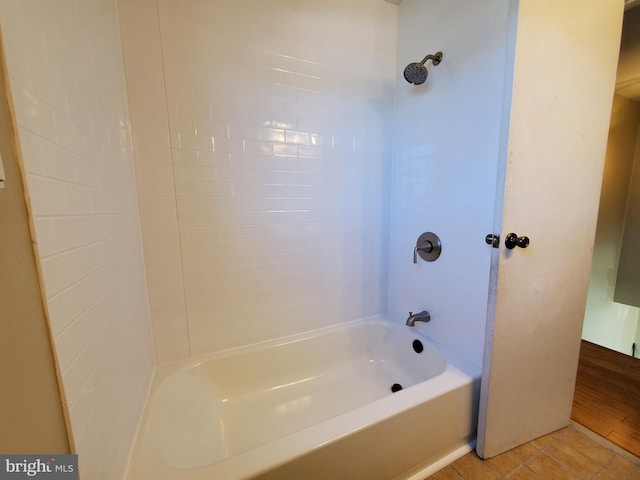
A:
(423, 316)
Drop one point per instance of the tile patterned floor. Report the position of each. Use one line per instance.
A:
(572, 453)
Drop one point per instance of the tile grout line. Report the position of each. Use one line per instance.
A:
(606, 443)
(526, 463)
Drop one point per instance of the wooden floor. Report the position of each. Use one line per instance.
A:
(607, 395)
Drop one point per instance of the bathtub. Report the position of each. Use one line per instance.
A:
(370, 399)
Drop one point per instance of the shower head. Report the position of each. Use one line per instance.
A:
(416, 73)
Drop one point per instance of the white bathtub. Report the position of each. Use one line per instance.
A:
(313, 406)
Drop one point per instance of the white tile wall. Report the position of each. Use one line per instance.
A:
(280, 135)
(445, 165)
(154, 176)
(65, 68)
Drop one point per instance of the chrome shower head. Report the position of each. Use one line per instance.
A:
(416, 73)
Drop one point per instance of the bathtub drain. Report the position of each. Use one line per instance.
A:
(396, 387)
(417, 346)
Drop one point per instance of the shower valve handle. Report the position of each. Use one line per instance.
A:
(426, 247)
(513, 240)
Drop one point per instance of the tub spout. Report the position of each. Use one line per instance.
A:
(423, 316)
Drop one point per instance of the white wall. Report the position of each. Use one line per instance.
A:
(65, 68)
(607, 322)
(262, 164)
(628, 278)
(445, 164)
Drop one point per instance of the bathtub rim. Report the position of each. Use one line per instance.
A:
(462, 362)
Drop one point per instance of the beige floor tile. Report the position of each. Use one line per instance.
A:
(524, 473)
(588, 447)
(550, 438)
(547, 468)
(620, 469)
(470, 467)
(508, 462)
(579, 463)
(447, 473)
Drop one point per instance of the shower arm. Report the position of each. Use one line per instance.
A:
(435, 59)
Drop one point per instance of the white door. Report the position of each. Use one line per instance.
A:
(563, 80)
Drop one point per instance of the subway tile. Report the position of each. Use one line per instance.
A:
(292, 136)
(246, 160)
(154, 187)
(171, 335)
(271, 135)
(189, 141)
(81, 200)
(150, 138)
(228, 145)
(70, 303)
(218, 129)
(184, 125)
(273, 163)
(45, 236)
(85, 403)
(216, 159)
(189, 108)
(162, 256)
(311, 151)
(32, 155)
(245, 190)
(153, 220)
(285, 150)
(152, 155)
(203, 189)
(257, 147)
(196, 173)
(33, 114)
(148, 115)
(201, 234)
(68, 135)
(246, 132)
(71, 232)
(84, 364)
(274, 190)
(185, 157)
(199, 219)
(48, 197)
(72, 339)
(153, 172)
(284, 122)
(320, 140)
(163, 204)
(153, 236)
(200, 204)
(87, 173)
